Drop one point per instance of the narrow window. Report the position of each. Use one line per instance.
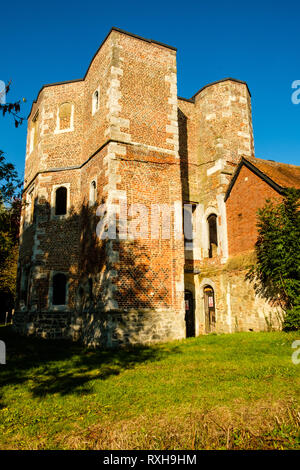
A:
(95, 101)
(59, 284)
(31, 139)
(213, 235)
(61, 201)
(93, 192)
(65, 116)
(30, 207)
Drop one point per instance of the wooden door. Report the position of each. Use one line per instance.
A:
(210, 309)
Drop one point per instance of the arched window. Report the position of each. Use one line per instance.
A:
(95, 101)
(30, 206)
(59, 286)
(93, 192)
(61, 201)
(65, 117)
(213, 235)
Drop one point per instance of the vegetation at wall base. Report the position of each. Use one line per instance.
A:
(292, 319)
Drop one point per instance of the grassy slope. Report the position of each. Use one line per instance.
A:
(219, 391)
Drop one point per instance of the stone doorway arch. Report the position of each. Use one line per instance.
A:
(209, 308)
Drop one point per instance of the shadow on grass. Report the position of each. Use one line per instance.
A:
(63, 367)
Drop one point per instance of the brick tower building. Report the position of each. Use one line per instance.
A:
(111, 159)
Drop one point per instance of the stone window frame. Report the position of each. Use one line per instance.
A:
(65, 306)
(32, 132)
(69, 129)
(211, 210)
(192, 248)
(94, 109)
(29, 207)
(53, 201)
(91, 202)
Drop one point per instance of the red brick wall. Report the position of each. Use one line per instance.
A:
(248, 194)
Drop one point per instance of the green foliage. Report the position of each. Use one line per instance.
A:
(292, 319)
(276, 273)
(12, 108)
(10, 210)
(9, 182)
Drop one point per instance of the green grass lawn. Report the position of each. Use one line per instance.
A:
(237, 391)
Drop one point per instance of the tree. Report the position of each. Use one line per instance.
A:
(276, 273)
(10, 211)
(11, 108)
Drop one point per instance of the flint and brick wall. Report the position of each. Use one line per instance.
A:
(130, 147)
(141, 146)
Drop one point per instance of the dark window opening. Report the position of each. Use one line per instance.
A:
(93, 192)
(61, 201)
(59, 289)
(213, 235)
(95, 101)
(24, 285)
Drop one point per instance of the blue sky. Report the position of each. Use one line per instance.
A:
(258, 42)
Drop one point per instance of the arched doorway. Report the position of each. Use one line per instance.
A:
(210, 309)
(189, 313)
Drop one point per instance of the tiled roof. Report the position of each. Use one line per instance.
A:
(278, 175)
(283, 174)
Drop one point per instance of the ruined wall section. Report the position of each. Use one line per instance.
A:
(237, 306)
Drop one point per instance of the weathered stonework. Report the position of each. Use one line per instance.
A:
(142, 145)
